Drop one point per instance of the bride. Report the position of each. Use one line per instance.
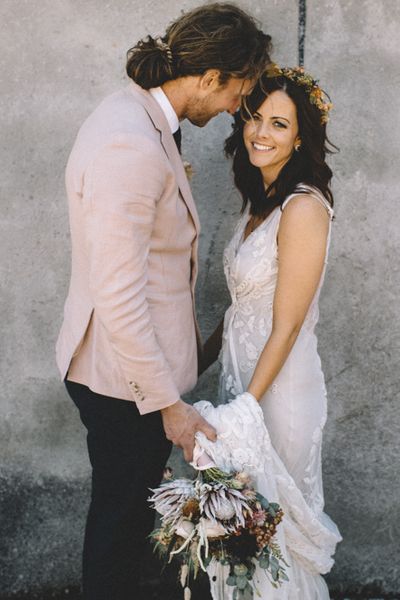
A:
(272, 387)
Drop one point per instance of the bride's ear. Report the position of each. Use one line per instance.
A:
(297, 144)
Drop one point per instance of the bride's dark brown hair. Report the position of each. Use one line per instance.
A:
(307, 166)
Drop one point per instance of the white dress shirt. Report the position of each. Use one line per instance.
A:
(166, 106)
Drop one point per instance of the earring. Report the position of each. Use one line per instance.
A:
(297, 147)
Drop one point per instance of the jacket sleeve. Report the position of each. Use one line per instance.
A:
(124, 183)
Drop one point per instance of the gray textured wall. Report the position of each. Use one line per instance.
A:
(58, 59)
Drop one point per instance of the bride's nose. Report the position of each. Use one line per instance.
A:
(262, 129)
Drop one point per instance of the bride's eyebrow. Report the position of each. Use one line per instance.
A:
(284, 118)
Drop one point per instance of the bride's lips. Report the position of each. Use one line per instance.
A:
(262, 147)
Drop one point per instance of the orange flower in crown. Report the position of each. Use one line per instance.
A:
(298, 76)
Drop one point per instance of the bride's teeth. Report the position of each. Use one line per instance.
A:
(261, 146)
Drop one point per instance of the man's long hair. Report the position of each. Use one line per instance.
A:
(215, 36)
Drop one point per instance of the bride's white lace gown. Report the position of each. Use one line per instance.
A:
(279, 440)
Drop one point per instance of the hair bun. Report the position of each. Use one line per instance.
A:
(150, 62)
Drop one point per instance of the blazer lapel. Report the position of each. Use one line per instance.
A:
(167, 140)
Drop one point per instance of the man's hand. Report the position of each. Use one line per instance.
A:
(181, 421)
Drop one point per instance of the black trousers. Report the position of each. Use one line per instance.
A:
(128, 453)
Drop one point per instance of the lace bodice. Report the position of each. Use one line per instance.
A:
(251, 270)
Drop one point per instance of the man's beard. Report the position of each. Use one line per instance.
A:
(199, 114)
(200, 120)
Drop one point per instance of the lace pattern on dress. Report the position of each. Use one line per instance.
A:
(251, 269)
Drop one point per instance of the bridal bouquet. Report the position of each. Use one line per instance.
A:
(219, 516)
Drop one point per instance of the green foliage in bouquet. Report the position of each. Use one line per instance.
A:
(219, 516)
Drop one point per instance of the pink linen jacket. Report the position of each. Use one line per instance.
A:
(129, 328)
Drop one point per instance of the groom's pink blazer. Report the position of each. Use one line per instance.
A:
(129, 327)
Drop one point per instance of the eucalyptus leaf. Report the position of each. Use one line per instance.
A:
(263, 501)
(274, 573)
(241, 582)
(231, 580)
(247, 593)
(274, 562)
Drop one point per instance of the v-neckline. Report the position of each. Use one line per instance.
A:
(242, 239)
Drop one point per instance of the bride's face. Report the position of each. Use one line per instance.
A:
(271, 135)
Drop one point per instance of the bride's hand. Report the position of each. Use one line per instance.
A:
(181, 422)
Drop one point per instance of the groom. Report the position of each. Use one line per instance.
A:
(128, 346)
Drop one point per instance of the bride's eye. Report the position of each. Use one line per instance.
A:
(256, 117)
(280, 125)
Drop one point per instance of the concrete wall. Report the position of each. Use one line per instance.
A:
(58, 59)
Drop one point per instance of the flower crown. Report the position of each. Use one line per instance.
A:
(299, 77)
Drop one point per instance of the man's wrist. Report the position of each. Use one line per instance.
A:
(172, 407)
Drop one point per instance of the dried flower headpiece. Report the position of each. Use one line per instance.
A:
(316, 95)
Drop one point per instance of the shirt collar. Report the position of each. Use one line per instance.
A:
(166, 106)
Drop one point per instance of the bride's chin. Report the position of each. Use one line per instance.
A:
(257, 163)
(253, 161)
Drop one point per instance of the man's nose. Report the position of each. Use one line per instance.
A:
(233, 107)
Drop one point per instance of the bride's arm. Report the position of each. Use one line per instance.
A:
(302, 240)
(211, 348)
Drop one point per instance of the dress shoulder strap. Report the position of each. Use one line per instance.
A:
(312, 191)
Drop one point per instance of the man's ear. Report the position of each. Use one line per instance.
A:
(209, 81)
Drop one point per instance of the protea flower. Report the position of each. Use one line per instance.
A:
(221, 503)
(169, 498)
